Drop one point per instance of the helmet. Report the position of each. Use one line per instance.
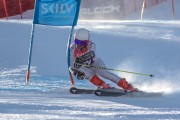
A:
(82, 34)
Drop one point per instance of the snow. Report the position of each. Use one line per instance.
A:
(148, 46)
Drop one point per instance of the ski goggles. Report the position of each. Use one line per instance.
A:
(79, 42)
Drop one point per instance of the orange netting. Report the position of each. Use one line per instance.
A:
(17, 7)
(14, 7)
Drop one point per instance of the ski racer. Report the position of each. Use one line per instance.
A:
(83, 56)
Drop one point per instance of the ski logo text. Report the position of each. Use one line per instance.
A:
(56, 8)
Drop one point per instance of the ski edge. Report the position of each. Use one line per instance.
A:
(127, 94)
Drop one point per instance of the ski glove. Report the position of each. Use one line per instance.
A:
(78, 62)
(79, 75)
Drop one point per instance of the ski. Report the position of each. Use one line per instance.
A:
(123, 93)
(109, 92)
(114, 92)
(74, 90)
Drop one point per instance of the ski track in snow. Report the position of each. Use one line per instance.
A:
(46, 106)
(60, 104)
(47, 97)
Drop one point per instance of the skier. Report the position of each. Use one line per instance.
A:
(83, 57)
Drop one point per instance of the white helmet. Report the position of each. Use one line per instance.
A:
(82, 34)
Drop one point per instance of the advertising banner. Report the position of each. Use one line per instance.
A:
(102, 9)
(56, 12)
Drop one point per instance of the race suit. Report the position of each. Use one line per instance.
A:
(96, 61)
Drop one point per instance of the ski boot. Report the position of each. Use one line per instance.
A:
(125, 85)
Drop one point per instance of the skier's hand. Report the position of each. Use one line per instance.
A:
(78, 62)
(79, 75)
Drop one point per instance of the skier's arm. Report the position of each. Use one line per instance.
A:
(79, 61)
(89, 55)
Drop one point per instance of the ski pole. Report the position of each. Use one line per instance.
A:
(98, 67)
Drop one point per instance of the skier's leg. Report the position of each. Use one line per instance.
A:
(105, 73)
(121, 82)
(92, 77)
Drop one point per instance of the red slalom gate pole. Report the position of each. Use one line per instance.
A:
(5, 8)
(20, 8)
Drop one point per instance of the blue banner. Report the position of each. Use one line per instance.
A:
(56, 12)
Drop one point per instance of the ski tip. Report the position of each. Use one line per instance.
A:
(73, 90)
(151, 75)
